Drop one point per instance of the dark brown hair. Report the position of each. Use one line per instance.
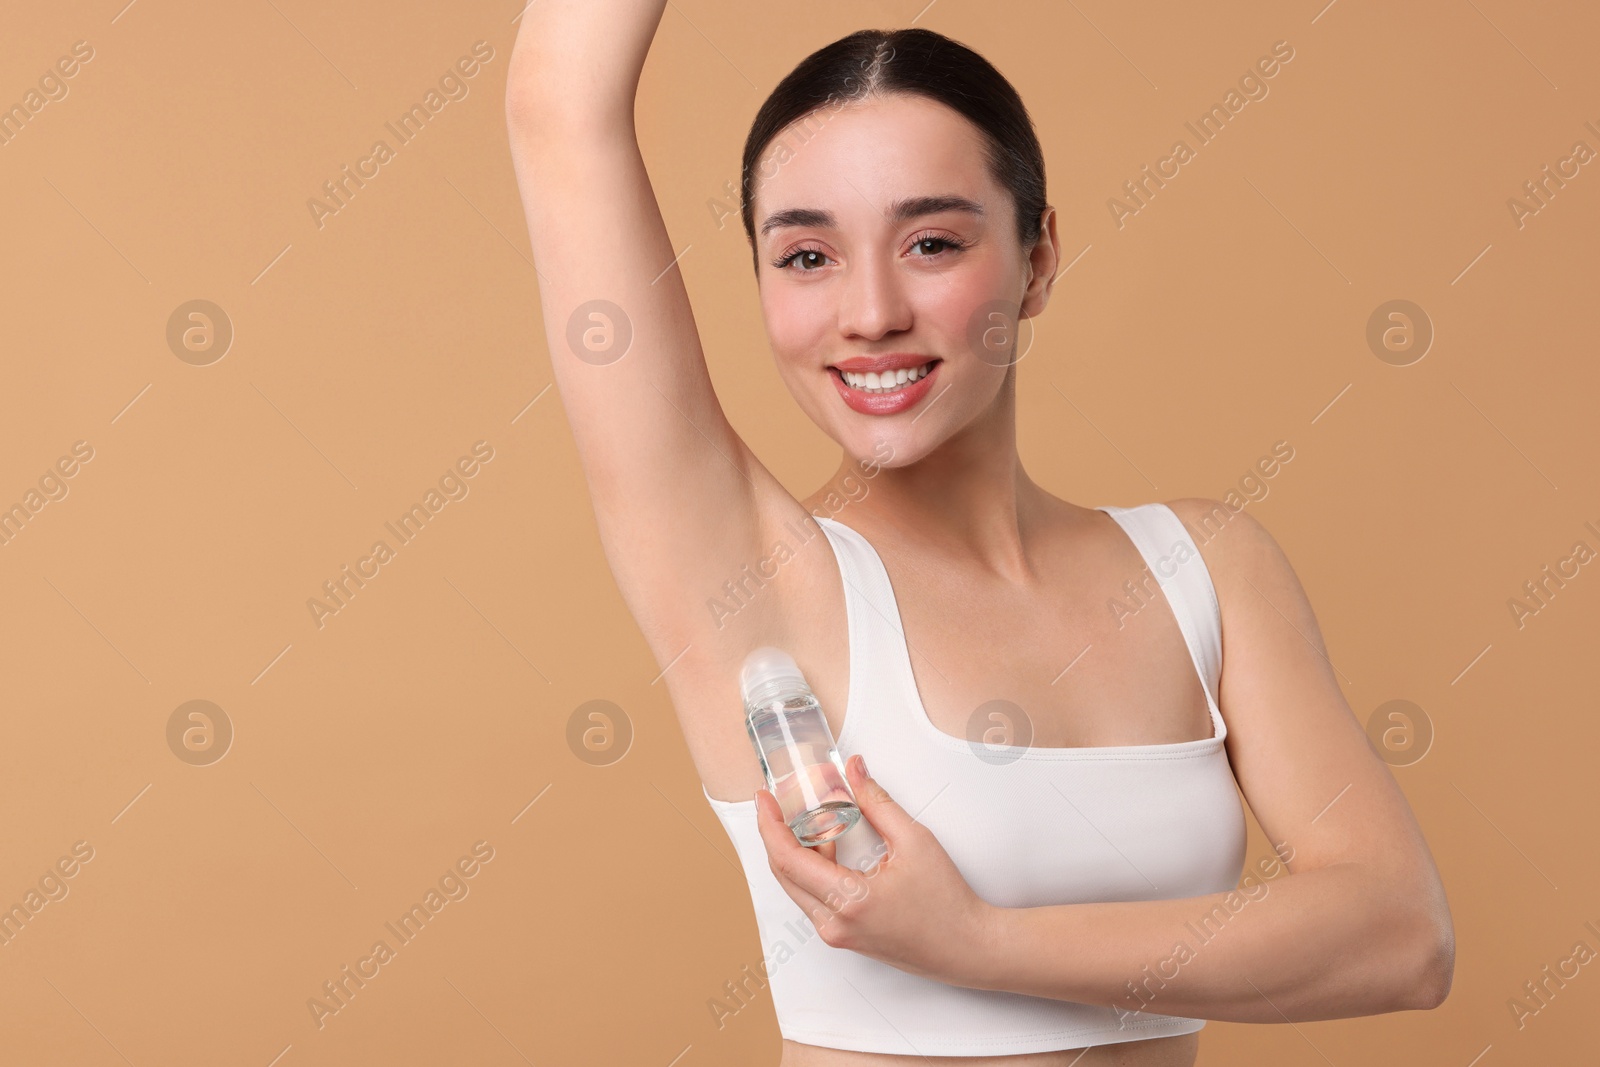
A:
(916, 62)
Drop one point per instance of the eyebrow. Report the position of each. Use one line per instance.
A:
(899, 211)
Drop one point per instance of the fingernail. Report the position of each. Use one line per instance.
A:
(863, 762)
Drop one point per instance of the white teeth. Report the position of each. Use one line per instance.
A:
(888, 381)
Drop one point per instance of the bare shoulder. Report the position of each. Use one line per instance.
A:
(1248, 567)
(1225, 535)
(1274, 656)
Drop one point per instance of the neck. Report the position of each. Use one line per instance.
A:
(968, 500)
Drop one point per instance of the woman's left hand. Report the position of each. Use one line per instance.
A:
(913, 910)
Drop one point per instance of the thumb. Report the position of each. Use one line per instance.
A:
(886, 816)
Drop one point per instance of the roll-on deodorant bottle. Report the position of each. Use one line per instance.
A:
(792, 740)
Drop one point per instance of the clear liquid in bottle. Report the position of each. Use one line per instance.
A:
(802, 767)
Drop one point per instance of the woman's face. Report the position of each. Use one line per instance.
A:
(898, 250)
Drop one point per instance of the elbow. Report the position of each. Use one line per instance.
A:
(1435, 962)
(543, 127)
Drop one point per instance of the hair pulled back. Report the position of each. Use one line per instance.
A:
(914, 62)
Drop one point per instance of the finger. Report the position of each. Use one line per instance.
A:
(821, 908)
(804, 875)
(817, 910)
(887, 817)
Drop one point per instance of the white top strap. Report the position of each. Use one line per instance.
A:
(1175, 560)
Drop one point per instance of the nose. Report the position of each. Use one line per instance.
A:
(875, 302)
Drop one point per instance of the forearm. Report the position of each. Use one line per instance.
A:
(580, 59)
(1321, 944)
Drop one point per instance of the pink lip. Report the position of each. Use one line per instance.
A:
(879, 364)
(885, 403)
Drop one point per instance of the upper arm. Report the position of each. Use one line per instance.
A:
(677, 495)
(1303, 760)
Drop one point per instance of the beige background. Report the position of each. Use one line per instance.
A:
(369, 754)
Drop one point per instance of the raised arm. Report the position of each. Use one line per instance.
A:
(678, 497)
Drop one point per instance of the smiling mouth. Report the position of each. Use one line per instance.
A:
(875, 384)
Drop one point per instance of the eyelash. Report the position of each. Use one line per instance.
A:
(951, 243)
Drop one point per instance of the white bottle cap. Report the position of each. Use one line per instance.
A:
(765, 666)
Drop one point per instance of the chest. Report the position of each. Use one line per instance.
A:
(1089, 654)
(1077, 662)
(1163, 823)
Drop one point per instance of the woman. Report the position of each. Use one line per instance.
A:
(1053, 742)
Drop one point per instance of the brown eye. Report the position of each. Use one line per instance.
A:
(811, 257)
(943, 242)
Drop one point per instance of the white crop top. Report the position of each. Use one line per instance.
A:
(1053, 826)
